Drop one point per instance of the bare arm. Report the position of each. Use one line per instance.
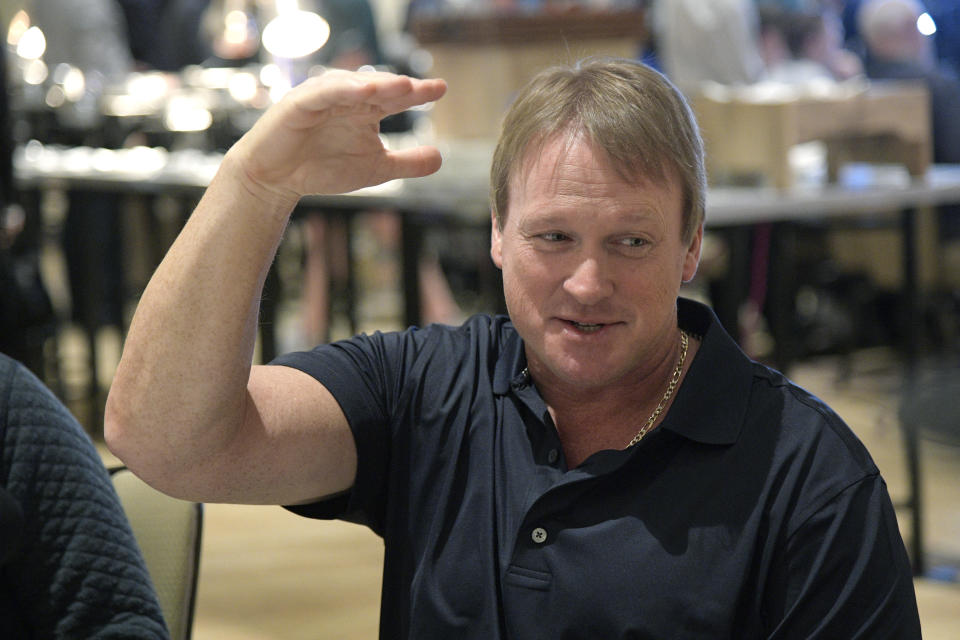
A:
(186, 410)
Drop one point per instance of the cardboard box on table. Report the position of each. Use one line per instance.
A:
(485, 59)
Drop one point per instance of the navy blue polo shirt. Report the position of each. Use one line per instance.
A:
(751, 512)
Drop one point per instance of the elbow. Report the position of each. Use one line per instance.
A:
(132, 434)
(165, 448)
(117, 427)
(133, 440)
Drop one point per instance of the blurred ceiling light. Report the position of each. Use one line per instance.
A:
(105, 160)
(76, 159)
(214, 77)
(243, 86)
(125, 106)
(147, 86)
(270, 74)
(926, 25)
(18, 26)
(55, 97)
(185, 113)
(236, 27)
(144, 159)
(35, 72)
(74, 84)
(31, 44)
(295, 34)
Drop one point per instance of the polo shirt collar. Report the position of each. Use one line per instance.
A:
(512, 364)
(710, 408)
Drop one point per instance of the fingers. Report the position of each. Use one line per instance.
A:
(390, 93)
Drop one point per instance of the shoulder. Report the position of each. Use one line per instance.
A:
(783, 436)
(814, 455)
(808, 419)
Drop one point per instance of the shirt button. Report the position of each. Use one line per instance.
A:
(539, 535)
(552, 456)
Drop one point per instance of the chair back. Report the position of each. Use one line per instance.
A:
(168, 531)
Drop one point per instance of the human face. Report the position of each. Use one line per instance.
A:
(592, 266)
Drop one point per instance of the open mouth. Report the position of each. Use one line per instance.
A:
(587, 327)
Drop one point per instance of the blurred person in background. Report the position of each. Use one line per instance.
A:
(897, 50)
(699, 42)
(26, 313)
(91, 36)
(945, 18)
(166, 35)
(805, 46)
(88, 34)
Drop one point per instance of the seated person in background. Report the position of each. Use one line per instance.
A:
(603, 463)
(800, 47)
(896, 50)
(700, 42)
(69, 565)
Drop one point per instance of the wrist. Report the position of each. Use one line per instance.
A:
(274, 200)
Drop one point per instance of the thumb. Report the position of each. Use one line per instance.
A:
(413, 163)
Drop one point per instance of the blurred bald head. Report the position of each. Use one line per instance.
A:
(889, 29)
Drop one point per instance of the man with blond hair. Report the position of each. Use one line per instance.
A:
(603, 463)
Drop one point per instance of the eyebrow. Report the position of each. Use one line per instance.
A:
(640, 215)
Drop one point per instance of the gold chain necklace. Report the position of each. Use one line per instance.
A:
(674, 379)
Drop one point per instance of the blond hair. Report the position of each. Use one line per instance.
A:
(627, 109)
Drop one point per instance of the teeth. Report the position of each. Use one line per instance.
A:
(587, 327)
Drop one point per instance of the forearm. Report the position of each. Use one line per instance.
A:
(184, 412)
(179, 390)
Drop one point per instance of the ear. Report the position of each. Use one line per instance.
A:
(496, 241)
(692, 258)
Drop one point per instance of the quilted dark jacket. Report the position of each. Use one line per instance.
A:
(70, 566)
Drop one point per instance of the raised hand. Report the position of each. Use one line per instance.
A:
(323, 136)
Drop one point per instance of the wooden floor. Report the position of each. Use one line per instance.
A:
(267, 574)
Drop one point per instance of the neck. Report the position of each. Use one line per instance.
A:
(590, 420)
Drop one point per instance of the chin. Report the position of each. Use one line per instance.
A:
(585, 375)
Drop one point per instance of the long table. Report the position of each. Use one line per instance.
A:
(458, 195)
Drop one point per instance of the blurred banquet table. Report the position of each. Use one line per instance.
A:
(458, 195)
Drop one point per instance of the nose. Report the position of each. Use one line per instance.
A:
(589, 283)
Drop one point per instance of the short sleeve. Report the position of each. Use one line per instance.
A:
(359, 374)
(846, 572)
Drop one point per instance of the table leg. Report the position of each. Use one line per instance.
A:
(911, 314)
(912, 330)
(411, 245)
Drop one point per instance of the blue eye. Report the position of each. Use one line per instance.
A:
(553, 236)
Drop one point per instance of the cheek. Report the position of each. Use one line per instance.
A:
(527, 279)
(522, 264)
